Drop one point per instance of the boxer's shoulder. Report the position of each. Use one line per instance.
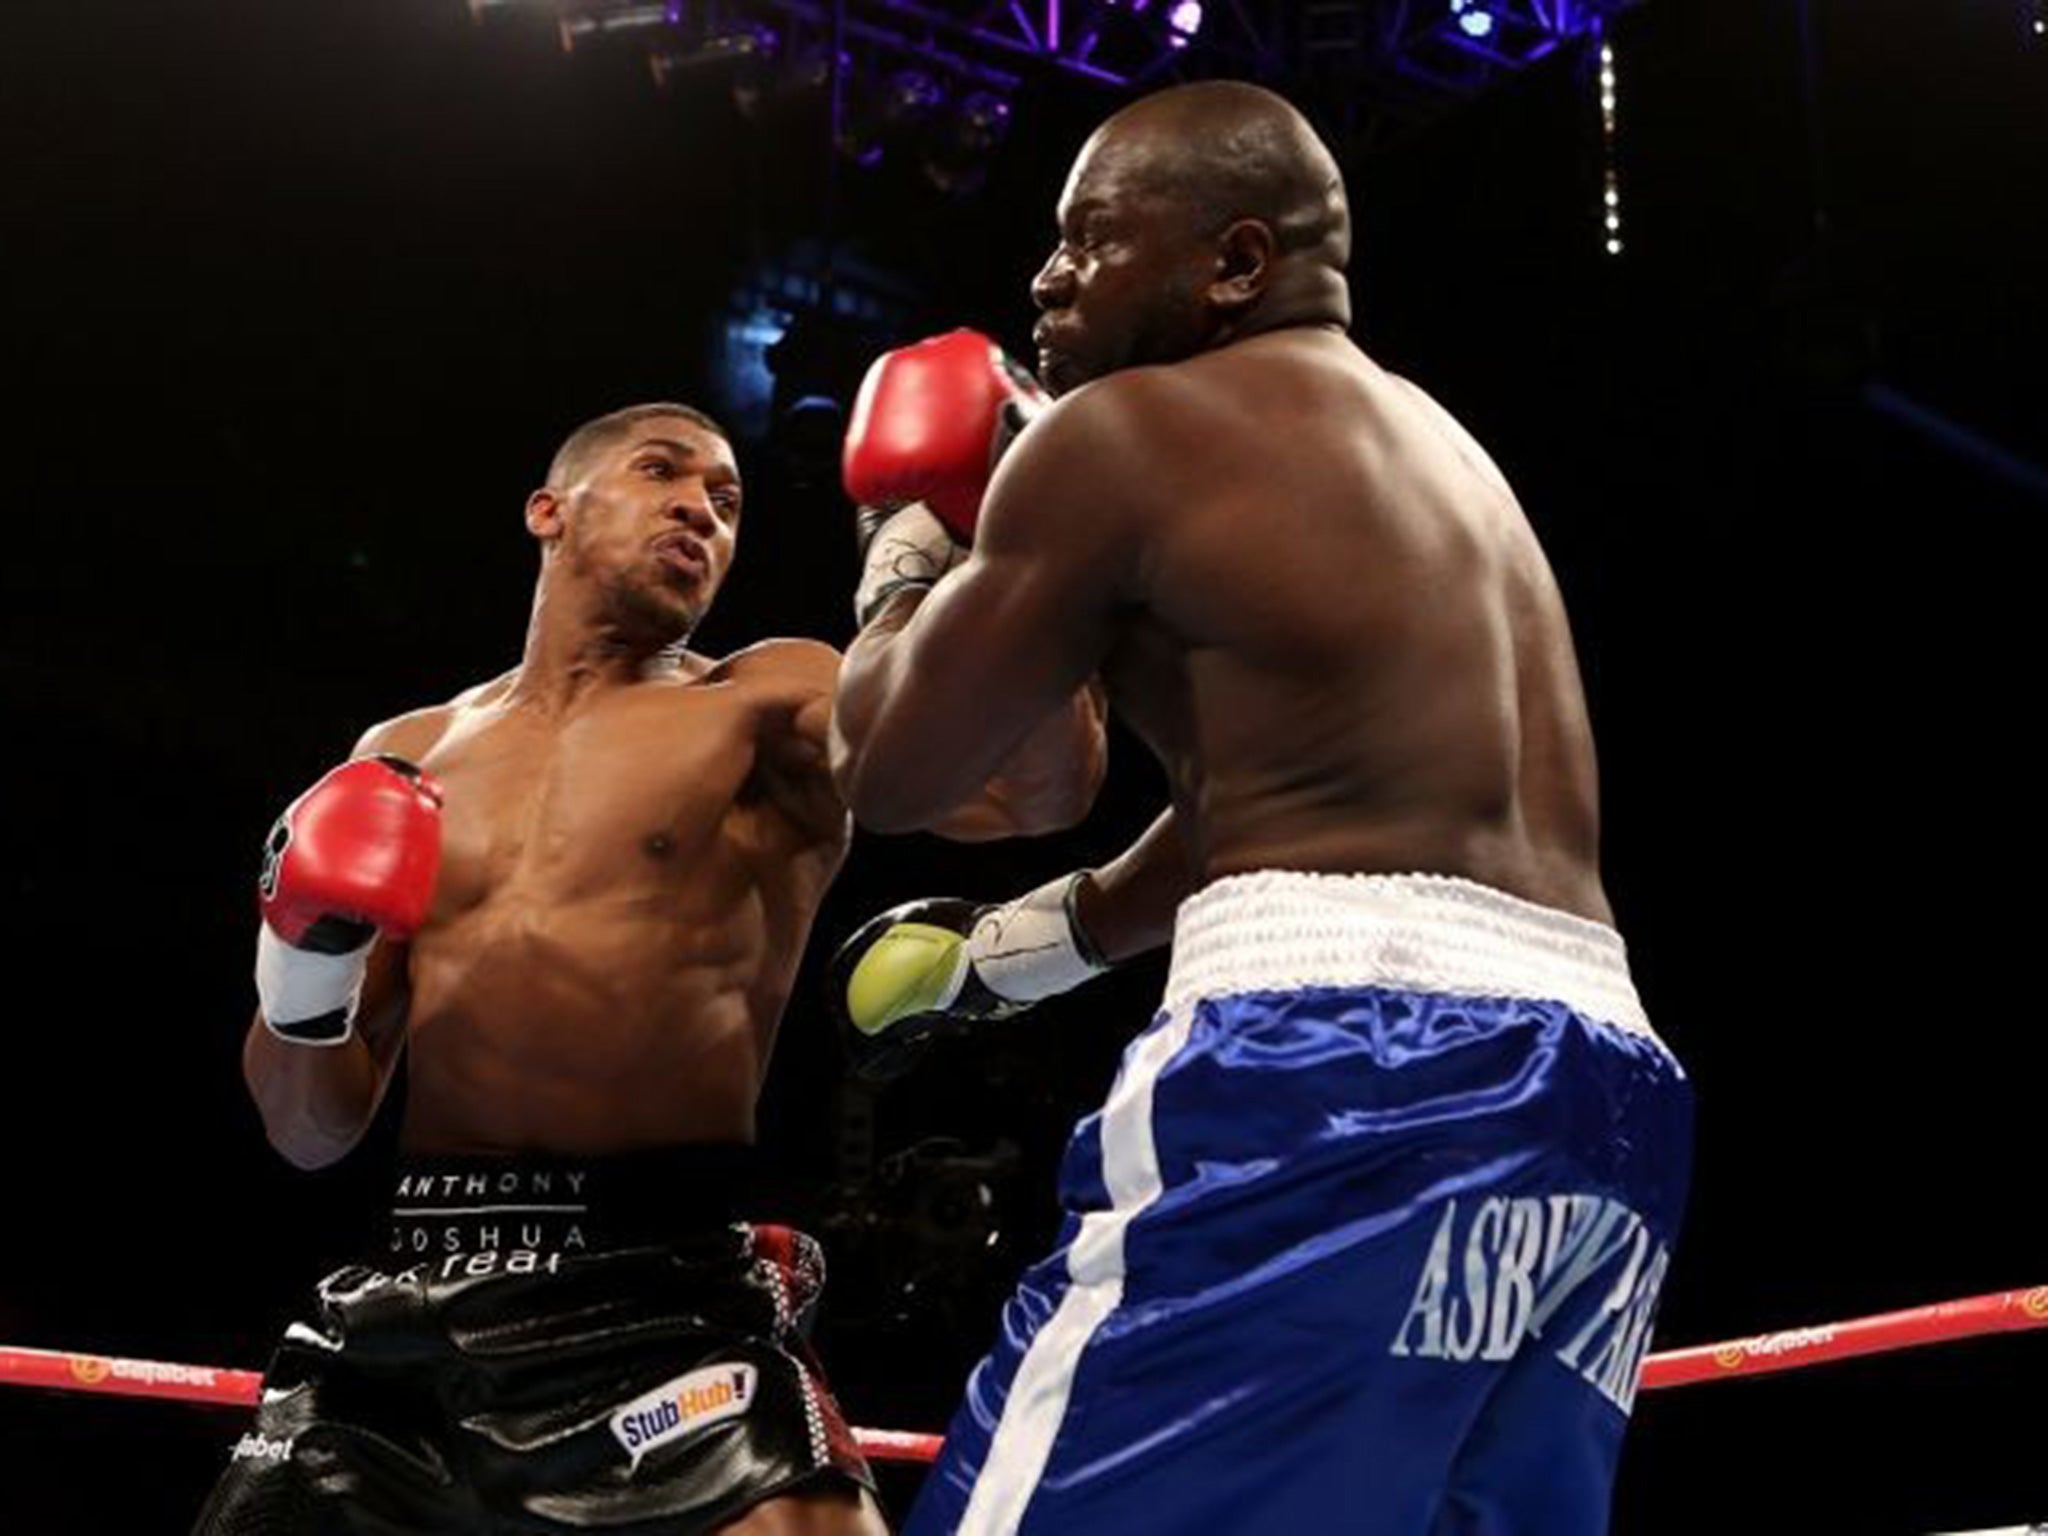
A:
(1166, 418)
(1127, 401)
(411, 735)
(417, 732)
(784, 689)
(792, 666)
(1089, 487)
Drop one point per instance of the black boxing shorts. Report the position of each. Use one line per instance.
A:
(548, 1347)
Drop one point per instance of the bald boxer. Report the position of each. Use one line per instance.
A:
(1370, 1231)
(573, 899)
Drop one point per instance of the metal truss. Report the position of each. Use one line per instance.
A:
(1399, 61)
(1119, 44)
(1362, 66)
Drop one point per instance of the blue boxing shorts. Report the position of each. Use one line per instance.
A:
(1368, 1236)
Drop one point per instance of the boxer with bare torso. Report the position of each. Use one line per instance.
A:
(1369, 1233)
(575, 899)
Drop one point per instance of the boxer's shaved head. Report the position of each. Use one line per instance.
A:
(1223, 150)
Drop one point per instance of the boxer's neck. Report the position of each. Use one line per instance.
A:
(575, 644)
(1302, 294)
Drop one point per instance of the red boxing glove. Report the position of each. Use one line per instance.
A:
(356, 852)
(932, 420)
(354, 856)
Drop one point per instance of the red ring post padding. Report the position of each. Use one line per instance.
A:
(1792, 1349)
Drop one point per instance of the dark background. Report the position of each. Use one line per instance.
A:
(299, 298)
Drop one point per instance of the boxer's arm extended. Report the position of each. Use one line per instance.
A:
(1046, 785)
(794, 764)
(1127, 906)
(316, 1102)
(934, 967)
(943, 687)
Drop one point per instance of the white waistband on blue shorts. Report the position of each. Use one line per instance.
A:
(1277, 931)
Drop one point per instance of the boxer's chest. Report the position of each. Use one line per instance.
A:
(617, 796)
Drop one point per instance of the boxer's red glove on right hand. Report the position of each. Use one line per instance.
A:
(352, 857)
(930, 424)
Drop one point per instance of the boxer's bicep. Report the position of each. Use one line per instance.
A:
(795, 753)
(1047, 783)
(933, 708)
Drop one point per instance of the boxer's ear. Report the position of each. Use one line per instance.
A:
(544, 515)
(1245, 257)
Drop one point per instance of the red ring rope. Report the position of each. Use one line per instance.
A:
(1937, 1323)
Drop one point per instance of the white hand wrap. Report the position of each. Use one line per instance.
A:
(308, 998)
(910, 549)
(1033, 947)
